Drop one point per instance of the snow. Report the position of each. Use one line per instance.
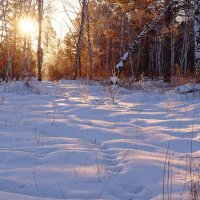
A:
(188, 88)
(125, 56)
(114, 79)
(120, 65)
(80, 140)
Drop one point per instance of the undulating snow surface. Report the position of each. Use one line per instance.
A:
(74, 140)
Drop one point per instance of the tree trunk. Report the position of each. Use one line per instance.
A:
(167, 47)
(8, 67)
(159, 47)
(39, 50)
(23, 58)
(197, 38)
(90, 52)
(80, 40)
(167, 60)
(122, 36)
(151, 52)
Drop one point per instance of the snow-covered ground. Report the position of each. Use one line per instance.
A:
(74, 140)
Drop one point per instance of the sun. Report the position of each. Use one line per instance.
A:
(26, 25)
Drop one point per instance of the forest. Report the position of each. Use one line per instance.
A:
(97, 39)
(99, 99)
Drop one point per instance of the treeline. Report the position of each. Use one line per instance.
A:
(102, 32)
(27, 38)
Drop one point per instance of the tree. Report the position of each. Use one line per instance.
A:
(90, 52)
(197, 37)
(39, 50)
(5, 5)
(127, 55)
(51, 48)
(167, 45)
(80, 41)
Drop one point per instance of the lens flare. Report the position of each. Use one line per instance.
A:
(26, 26)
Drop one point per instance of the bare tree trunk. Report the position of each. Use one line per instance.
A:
(107, 53)
(23, 58)
(167, 60)
(71, 55)
(186, 36)
(138, 58)
(14, 47)
(90, 52)
(80, 65)
(184, 52)
(39, 50)
(172, 60)
(28, 56)
(167, 47)
(80, 40)
(8, 67)
(159, 46)
(112, 53)
(2, 13)
(151, 50)
(122, 36)
(132, 70)
(197, 38)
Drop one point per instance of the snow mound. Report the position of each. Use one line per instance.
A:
(188, 88)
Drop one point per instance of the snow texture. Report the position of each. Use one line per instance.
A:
(188, 88)
(119, 65)
(75, 140)
(114, 79)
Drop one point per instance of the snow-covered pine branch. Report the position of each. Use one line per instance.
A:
(151, 26)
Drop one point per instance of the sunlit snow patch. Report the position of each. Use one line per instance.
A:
(114, 79)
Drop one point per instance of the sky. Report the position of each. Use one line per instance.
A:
(60, 19)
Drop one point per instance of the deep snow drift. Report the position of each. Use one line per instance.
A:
(74, 140)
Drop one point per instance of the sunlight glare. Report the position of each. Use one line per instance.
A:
(26, 26)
